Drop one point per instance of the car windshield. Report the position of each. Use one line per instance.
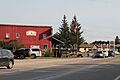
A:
(99, 52)
(27, 49)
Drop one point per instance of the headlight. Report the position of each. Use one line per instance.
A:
(101, 54)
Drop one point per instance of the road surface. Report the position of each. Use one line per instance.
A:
(86, 69)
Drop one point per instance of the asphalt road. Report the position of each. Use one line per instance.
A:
(96, 69)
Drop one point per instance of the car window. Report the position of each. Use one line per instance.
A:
(4, 53)
(27, 49)
(35, 50)
(99, 52)
(0, 54)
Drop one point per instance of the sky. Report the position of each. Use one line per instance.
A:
(99, 18)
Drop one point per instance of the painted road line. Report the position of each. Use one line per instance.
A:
(117, 78)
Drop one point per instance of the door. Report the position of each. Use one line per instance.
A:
(5, 57)
(1, 60)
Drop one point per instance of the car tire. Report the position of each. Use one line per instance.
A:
(33, 56)
(10, 65)
(22, 56)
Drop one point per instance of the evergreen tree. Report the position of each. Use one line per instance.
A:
(117, 40)
(75, 33)
(64, 32)
(100, 42)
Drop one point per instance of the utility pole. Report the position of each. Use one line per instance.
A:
(77, 38)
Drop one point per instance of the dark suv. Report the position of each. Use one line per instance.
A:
(21, 53)
(6, 58)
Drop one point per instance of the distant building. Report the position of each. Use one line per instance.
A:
(29, 35)
(87, 48)
(92, 48)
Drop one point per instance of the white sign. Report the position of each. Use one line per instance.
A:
(31, 33)
(112, 45)
(35, 46)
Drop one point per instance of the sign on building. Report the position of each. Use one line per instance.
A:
(30, 33)
(112, 45)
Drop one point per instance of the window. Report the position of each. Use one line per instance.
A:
(35, 50)
(17, 35)
(44, 36)
(4, 53)
(7, 35)
(45, 46)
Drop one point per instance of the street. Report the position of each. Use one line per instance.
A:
(86, 69)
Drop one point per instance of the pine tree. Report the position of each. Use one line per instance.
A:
(64, 32)
(75, 34)
(117, 40)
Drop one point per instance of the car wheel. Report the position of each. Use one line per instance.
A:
(10, 65)
(22, 56)
(33, 56)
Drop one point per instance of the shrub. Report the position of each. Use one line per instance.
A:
(48, 53)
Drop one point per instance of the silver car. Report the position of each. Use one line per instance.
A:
(6, 58)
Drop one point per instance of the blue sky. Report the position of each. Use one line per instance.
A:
(99, 18)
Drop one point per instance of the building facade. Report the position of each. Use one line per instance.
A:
(87, 48)
(29, 35)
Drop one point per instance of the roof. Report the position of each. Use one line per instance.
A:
(118, 45)
(86, 46)
(58, 40)
(103, 46)
(25, 25)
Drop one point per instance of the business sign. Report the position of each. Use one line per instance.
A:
(31, 33)
(112, 45)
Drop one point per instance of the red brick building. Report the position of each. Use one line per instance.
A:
(29, 35)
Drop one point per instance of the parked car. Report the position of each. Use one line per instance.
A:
(6, 58)
(117, 53)
(98, 54)
(90, 54)
(27, 52)
(105, 53)
(111, 53)
(79, 54)
(21, 53)
(64, 53)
